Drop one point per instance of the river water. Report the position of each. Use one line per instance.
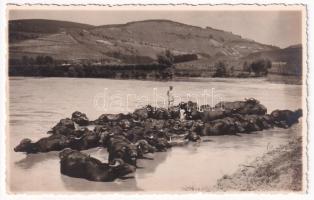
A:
(37, 104)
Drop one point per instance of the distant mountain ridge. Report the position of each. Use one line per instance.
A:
(133, 42)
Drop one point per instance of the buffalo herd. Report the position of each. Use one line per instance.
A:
(129, 137)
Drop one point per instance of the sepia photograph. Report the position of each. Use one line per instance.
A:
(156, 99)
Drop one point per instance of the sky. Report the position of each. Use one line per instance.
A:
(279, 28)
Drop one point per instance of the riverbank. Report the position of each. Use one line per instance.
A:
(277, 170)
(284, 79)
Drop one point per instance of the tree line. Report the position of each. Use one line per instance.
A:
(168, 58)
(38, 60)
(148, 71)
(256, 68)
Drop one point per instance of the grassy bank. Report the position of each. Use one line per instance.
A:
(277, 170)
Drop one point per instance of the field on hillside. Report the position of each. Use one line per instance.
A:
(117, 43)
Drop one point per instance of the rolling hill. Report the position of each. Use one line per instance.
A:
(134, 42)
(24, 29)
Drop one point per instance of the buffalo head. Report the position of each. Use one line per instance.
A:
(144, 147)
(119, 168)
(298, 113)
(24, 146)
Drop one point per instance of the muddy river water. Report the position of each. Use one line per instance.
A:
(37, 104)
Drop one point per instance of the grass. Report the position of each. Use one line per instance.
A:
(277, 170)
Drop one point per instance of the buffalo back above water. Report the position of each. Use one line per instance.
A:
(76, 164)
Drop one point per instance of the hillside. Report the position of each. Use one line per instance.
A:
(134, 42)
(20, 30)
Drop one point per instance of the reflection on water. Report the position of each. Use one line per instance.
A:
(32, 159)
(75, 184)
(38, 104)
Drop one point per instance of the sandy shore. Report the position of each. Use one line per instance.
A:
(277, 170)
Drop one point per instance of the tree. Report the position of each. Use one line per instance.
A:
(231, 71)
(72, 72)
(246, 67)
(48, 60)
(260, 67)
(40, 60)
(220, 69)
(31, 61)
(166, 58)
(25, 60)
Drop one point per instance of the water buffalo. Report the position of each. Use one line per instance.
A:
(89, 139)
(267, 121)
(104, 135)
(76, 164)
(143, 147)
(154, 123)
(101, 120)
(120, 147)
(190, 110)
(174, 112)
(63, 127)
(249, 106)
(198, 127)
(161, 113)
(161, 144)
(106, 119)
(205, 108)
(55, 142)
(114, 117)
(264, 121)
(80, 118)
(135, 133)
(126, 124)
(193, 136)
(217, 113)
(251, 123)
(225, 126)
(286, 118)
(144, 113)
(157, 138)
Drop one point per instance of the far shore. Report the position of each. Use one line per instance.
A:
(274, 78)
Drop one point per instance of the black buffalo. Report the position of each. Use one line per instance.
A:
(63, 127)
(55, 142)
(80, 118)
(249, 106)
(120, 147)
(76, 164)
(286, 118)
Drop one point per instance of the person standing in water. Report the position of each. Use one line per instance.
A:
(170, 96)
